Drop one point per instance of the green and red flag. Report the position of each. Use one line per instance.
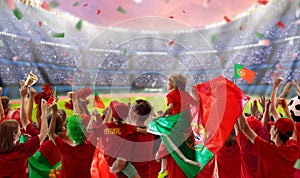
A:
(221, 103)
(244, 73)
(40, 167)
(98, 103)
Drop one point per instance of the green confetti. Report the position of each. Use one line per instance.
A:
(213, 39)
(120, 9)
(18, 13)
(58, 35)
(259, 35)
(75, 4)
(53, 4)
(124, 52)
(79, 25)
(1, 43)
(297, 164)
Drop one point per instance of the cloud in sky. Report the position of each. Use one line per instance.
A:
(188, 12)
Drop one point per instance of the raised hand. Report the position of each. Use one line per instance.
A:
(23, 91)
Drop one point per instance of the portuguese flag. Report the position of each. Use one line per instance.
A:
(40, 167)
(244, 73)
(193, 144)
(98, 103)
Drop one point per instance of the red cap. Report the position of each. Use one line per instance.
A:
(119, 110)
(284, 125)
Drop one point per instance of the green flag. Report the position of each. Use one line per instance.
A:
(39, 166)
(190, 156)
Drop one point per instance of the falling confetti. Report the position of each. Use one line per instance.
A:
(121, 10)
(40, 23)
(263, 2)
(124, 52)
(171, 17)
(58, 35)
(172, 42)
(45, 6)
(84, 5)
(241, 28)
(11, 4)
(53, 4)
(79, 25)
(213, 39)
(18, 13)
(228, 20)
(75, 4)
(98, 11)
(280, 66)
(281, 25)
(30, 40)
(183, 11)
(259, 35)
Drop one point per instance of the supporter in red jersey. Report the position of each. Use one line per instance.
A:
(114, 132)
(178, 100)
(276, 159)
(139, 146)
(77, 154)
(13, 156)
(229, 158)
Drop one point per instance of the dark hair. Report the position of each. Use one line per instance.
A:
(7, 130)
(285, 137)
(143, 108)
(5, 103)
(58, 123)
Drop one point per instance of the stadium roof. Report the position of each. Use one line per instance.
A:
(193, 13)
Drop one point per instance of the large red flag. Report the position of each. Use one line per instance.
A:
(221, 103)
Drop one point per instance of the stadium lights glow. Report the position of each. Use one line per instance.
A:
(55, 44)
(152, 53)
(201, 52)
(291, 38)
(105, 50)
(8, 34)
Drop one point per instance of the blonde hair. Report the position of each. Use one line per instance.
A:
(7, 130)
(178, 80)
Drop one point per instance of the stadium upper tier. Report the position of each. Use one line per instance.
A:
(113, 56)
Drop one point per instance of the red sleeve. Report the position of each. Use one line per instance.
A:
(262, 148)
(31, 130)
(169, 98)
(130, 129)
(31, 146)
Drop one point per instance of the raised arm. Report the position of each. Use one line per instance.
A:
(44, 123)
(286, 89)
(30, 104)
(266, 115)
(246, 129)
(24, 116)
(51, 131)
(273, 108)
(297, 86)
(1, 106)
